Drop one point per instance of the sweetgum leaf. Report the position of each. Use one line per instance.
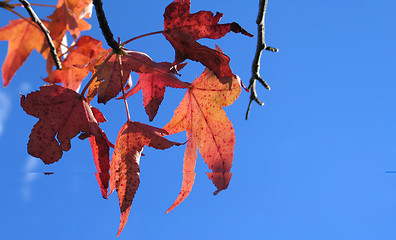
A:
(124, 168)
(153, 86)
(83, 51)
(22, 37)
(62, 113)
(182, 29)
(66, 17)
(109, 84)
(100, 150)
(201, 115)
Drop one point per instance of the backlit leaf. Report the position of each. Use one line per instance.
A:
(22, 36)
(63, 114)
(153, 86)
(124, 168)
(83, 51)
(201, 115)
(183, 29)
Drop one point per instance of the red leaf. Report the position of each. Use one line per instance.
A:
(153, 87)
(70, 76)
(100, 150)
(108, 84)
(23, 37)
(183, 29)
(62, 113)
(124, 168)
(200, 113)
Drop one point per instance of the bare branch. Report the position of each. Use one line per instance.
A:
(261, 46)
(46, 32)
(104, 25)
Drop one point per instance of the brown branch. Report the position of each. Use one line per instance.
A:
(104, 26)
(261, 46)
(46, 32)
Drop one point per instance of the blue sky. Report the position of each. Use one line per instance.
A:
(310, 164)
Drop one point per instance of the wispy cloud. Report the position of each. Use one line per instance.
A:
(5, 107)
(29, 177)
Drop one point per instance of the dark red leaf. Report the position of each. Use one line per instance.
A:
(183, 29)
(63, 114)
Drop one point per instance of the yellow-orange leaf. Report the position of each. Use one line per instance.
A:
(124, 167)
(201, 115)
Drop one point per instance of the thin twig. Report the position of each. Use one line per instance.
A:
(104, 26)
(46, 32)
(256, 62)
(144, 35)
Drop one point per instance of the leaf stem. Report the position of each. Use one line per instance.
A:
(46, 32)
(141, 36)
(122, 88)
(261, 46)
(104, 26)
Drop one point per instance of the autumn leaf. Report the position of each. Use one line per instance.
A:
(153, 86)
(62, 113)
(183, 29)
(23, 36)
(100, 146)
(124, 168)
(201, 115)
(108, 83)
(82, 52)
(66, 17)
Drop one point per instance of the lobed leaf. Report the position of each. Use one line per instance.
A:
(124, 168)
(182, 29)
(109, 84)
(22, 36)
(83, 51)
(153, 87)
(63, 114)
(200, 114)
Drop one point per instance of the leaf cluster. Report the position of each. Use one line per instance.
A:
(64, 110)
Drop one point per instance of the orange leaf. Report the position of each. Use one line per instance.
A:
(83, 51)
(124, 168)
(66, 17)
(62, 113)
(23, 37)
(200, 113)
